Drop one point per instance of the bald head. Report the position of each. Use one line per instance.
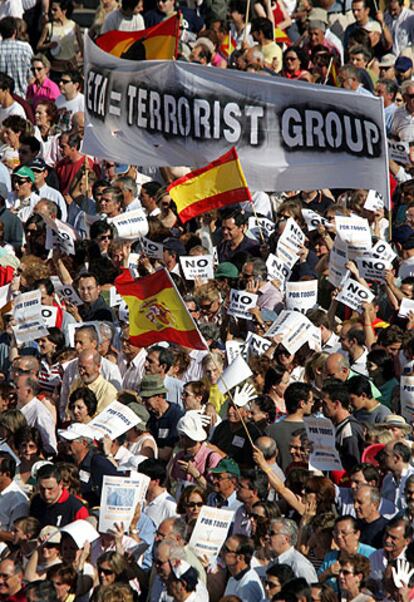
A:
(267, 446)
(337, 366)
(89, 364)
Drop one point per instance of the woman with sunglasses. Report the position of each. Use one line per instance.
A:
(112, 568)
(190, 503)
(42, 87)
(294, 63)
(353, 574)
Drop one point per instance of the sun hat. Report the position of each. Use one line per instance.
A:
(226, 269)
(191, 426)
(77, 430)
(51, 534)
(141, 412)
(388, 60)
(152, 384)
(396, 421)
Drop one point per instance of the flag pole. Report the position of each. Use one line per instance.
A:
(328, 72)
(246, 21)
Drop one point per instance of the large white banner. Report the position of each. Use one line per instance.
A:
(155, 113)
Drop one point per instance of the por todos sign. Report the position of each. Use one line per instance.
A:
(155, 113)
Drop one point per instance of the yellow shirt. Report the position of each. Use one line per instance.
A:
(216, 397)
(104, 391)
(272, 51)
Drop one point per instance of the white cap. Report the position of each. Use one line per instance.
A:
(191, 425)
(180, 568)
(77, 430)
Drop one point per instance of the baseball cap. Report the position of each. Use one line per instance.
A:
(403, 63)
(25, 172)
(388, 60)
(38, 165)
(77, 430)
(226, 270)
(174, 245)
(226, 465)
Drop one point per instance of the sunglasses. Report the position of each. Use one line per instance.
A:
(270, 584)
(21, 181)
(105, 571)
(65, 81)
(105, 237)
(194, 504)
(36, 69)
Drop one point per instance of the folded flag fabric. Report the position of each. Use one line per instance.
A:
(152, 44)
(228, 46)
(220, 183)
(157, 311)
(281, 37)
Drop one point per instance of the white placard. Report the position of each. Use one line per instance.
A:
(277, 269)
(399, 152)
(60, 235)
(114, 297)
(114, 421)
(338, 257)
(292, 237)
(261, 224)
(119, 497)
(49, 313)
(4, 295)
(72, 328)
(240, 304)
(383, 251)
(197, 266)
(30, 331)
(372, 268)
(257, 345)
(68, 293)
(301, 296)
(374, 201)
(321, 434)
(406, 306)
(353, 295)
(133, 259)
(210, 531)
(407, 398)
(81, 531)
(294, 328)
(313, 220)
(27, 306)
(130, 225)
(236, 373)
(355, 232)
(234, 349)
(153, 250)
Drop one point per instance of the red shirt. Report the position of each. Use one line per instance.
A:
(66, 172)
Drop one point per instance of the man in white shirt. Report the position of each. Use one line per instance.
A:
(132, 362)
(126, 18)
(159, 503)
(71, 100)
(14, 503)
(35, 412)
(283, 538)
(244, 581)
(353, 342)
(400, 21)
(129, 190)
(40, 170)
(8, 106)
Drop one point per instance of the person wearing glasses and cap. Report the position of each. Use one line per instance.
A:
(23, 198)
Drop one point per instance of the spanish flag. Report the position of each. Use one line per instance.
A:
(220, 183)
(228, 46)
(157, 311)
(152, 44)
(281, 37)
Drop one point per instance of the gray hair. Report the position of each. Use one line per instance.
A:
(289, 528)
(106, 331)
(176, 552)
(180, 528)
(128, 183)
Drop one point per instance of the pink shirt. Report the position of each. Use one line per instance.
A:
(204, 460)
(47, 91)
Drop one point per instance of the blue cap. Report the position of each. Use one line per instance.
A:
(121, 168)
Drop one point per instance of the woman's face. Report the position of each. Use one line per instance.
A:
(41, 116)
(258, 514)
(347, 578)
(281, 387)
(106, 574)
(39, 71)
(62, 589)
(57, 13)
(193, 506)
(50, 552)
(46, 346)
(320, 247)
(80, 411)
(212, 373)
(291, 62)
(28, 449)
(257, 414)
(69, 550)
(104, 240)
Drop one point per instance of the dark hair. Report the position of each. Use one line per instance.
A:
(47, 283)
(282, 571)
(263, 25)
(390, 335)
(151, 188)
(41, 591)
(391, 88)
(32, 142)
(337, 391)
(18, 124)
(7, 464)
(51, 110)
(239, 216)
(49, 471)
(359, 385)
(357, 334)
(397, 521)
(165, 356)
(239, 6)
(57, 337)
(349, 518)
(368, 470)
(88, 396)
(100, 184)
(266, 405)
(66, 573)
(76, 77)
(273, 377)
(324, 489)
(88, 275)
(99, 227)
(185, 496)
(257, 480)
(8, 27)
(27, 434)
(359, 49)
(115, 193)
(385, 363)
(299, 588)
(200, 389)
(65, 5)
(402, 450)
(245, 546)
(295, 394)
(155, 470)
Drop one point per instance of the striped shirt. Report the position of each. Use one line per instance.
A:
(15, 60)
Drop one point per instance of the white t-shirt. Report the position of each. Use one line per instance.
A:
(75, 105)
(11, 8)
(116, 20)
(14, 109)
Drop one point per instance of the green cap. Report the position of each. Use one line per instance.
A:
(226, 270)
(152, 384)
(141, 412)
(227, 465)
(25, 172)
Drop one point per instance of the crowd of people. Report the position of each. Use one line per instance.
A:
(298, 532)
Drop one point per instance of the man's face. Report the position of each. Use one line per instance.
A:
(45, 298)
(50, 490)
(153, 404)
(230, 230)
(10, 581)
(278, 540)
(389, 457)
(244, 493)
(394, 8)
(363, 505)
(165, 6)
(161, 562)
(229, 552)
(347, 81)
(394, 541)
(316, 37)
(88, 371)
(358, 60)
(386, 73)
(152, 363)
(409, 496)
(107, 204)
(360, 12)
(67, 86)
(357, 479)
(409, 99)
(163, 531)
(358, 402)
(77, 448)
(22, 391)
(221, 482)
(89, 290)
(83, 342)
(409, 216)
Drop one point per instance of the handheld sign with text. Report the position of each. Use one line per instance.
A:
(313, 219)
(240, 304)
(338, 257)
(234, 349)
(407, 306)
(277, 270)
(399, 151)
(60, 235)
(153, 250)
(372, 268)
(197, 266)
(321, 434)
(27, 312)
(130, 225)
(301, 296)
(291, 237)
(374, 201)
(261, 224)
(68, 293)
(115, 420)
(294, 328)
(353, 295)
(257, 345)
(49, 314)
(383, 250)
(355, 232)
(119, 498)
(407, 398)
(133, 259)
(115, 298)
(210, 531)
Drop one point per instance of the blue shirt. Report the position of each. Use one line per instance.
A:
(331, 557)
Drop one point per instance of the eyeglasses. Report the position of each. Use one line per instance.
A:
(346, 572)
(271, 584)
(291, 58)
(226, 550)
(217, 477)
(66, 81)
(105, 237)
(343, 533)
(194, 504)
(105, 571)
(206, 307)
(37, 69)
(21, 181)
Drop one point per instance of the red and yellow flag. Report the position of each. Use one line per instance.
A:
(281, 37)
(157, 311)
(152, 44)
(216, 185)
(228, 46)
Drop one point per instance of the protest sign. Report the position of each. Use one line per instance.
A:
(68, 293)
(29, 331)
(130, 225)
(4, 295)
(383, 251)
(353, 295)
(234, 349)
(153, 250)
(291, 237)
(240, 304)
(236, 373)
(407, 398)
(277, 270)
(60, 236)
(114, 421)
(294, 328)
(197, 266)
(338, 257)
(210, 531)
(133, 259)
(81, 531)
(261, 225)
(399, 151)
(313, 219)
(374, 201)
(355, 232)
(257, 345)
(289, 135)
(27, 306)
(49, 313)
(321, 434)
(372, 268)
(119, 497)
(114, 297)
(301, 296)
(407, 306)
